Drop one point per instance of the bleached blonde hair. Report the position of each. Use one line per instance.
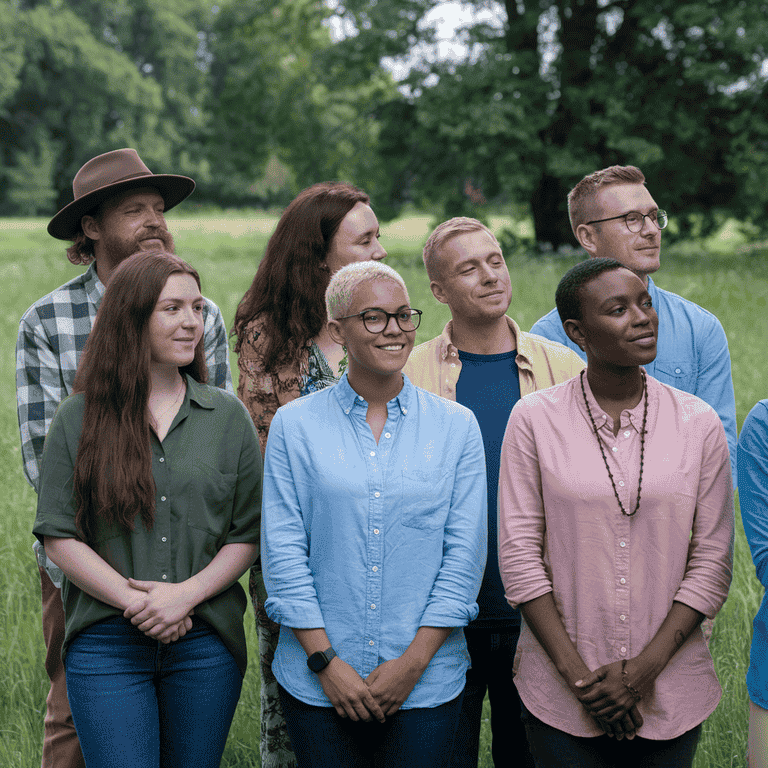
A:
(344, 284)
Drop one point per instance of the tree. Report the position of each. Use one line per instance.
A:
(559, 88)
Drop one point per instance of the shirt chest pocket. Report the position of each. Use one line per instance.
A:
(425, 499)
(208, 497)
(678, 374)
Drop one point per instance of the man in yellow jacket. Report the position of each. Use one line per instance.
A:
(484, 361)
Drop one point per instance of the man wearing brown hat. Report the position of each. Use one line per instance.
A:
(118, 209)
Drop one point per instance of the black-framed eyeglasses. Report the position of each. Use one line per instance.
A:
(635, 220)
(376, 320)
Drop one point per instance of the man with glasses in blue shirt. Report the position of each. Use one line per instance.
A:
(614, 215)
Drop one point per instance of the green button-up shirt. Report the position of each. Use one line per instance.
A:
(207, 473)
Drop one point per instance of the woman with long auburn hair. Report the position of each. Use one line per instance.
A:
(150, 499)
(285, 351)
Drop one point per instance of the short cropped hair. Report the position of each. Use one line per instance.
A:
(344, 284)
(582, 197)
(568, 293)
(445, 232)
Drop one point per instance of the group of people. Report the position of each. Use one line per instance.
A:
(483, 513)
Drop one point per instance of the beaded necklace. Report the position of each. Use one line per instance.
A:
(642, 446)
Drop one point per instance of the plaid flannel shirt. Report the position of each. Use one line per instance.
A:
(52, 334)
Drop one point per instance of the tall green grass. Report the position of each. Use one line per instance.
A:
(226, 251)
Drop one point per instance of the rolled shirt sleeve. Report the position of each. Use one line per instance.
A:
(753, 485)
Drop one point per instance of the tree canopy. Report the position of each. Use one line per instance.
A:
(258, 99)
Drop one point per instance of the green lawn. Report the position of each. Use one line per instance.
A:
(226, 250)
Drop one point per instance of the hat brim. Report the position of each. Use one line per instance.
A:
(173, 189)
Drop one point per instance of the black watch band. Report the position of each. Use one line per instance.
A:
(317, 662)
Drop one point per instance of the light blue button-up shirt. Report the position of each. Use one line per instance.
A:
(692, 354)
(372, 541)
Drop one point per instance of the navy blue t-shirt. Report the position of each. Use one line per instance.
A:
(489, 385)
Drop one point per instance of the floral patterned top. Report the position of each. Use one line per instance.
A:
(262, 392)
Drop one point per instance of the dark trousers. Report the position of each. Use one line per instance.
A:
(411, 738)
(492, 654)
(553, 748)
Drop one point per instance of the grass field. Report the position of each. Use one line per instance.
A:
(718, 275)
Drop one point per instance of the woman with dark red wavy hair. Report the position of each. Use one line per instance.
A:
(149, 502)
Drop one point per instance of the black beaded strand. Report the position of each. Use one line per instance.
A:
(642, 445)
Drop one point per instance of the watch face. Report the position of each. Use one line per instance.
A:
(318, 661)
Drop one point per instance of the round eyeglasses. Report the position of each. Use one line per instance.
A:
(635, 220)
(376, 320)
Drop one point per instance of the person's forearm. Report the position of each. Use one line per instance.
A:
(229, 564)
(542, 617)
(424, 646)
(89, 571)
(644, 668)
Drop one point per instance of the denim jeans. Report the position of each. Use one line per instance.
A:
(553, 748)
(492, 654)
(411, 738)
(138, 703)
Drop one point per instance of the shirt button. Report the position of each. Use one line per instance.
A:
(373, 606)
(347, 411)
(162, 498)
(453, 365)
(377, 494)
(376, 531)
(164, 539)
(405, 410)
(614, 449)
(677, 370)
(623, 650)
(622, 580)
(623, 617)
(627, 433)
(621, 483)
(370, 642)
(373, 453)
(162, 459)
(375, 568)
(387, 434)
(623, 544)
(165, 576)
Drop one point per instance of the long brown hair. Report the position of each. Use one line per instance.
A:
(288, 290)
(113, 470)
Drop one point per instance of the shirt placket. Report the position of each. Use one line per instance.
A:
(620, 450)
(377, 458)
(162, 524)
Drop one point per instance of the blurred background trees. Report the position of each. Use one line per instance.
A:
(258, 98)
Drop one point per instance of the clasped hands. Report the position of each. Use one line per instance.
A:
(608, 700)
(161, 611)
(381, 693)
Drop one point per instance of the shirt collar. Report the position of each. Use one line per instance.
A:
(634, 415)
(94, 288)
(200, 393)
(347, 397)
(446, 345)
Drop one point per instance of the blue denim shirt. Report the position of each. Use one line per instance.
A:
(692, 354)
(753, 498)
(372, 541)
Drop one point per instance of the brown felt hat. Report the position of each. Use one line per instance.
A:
(107, 175)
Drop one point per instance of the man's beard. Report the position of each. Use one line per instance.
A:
(119, 250)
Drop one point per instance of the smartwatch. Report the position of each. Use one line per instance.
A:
(317, 662)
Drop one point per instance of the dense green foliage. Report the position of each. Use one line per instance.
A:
(730, 283)
(258, 99)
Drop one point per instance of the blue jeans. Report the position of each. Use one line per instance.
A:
(492, 654)
(553, 748)
(138, 703)
(411, 738)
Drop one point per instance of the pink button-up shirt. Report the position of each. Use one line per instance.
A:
(614, 577)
